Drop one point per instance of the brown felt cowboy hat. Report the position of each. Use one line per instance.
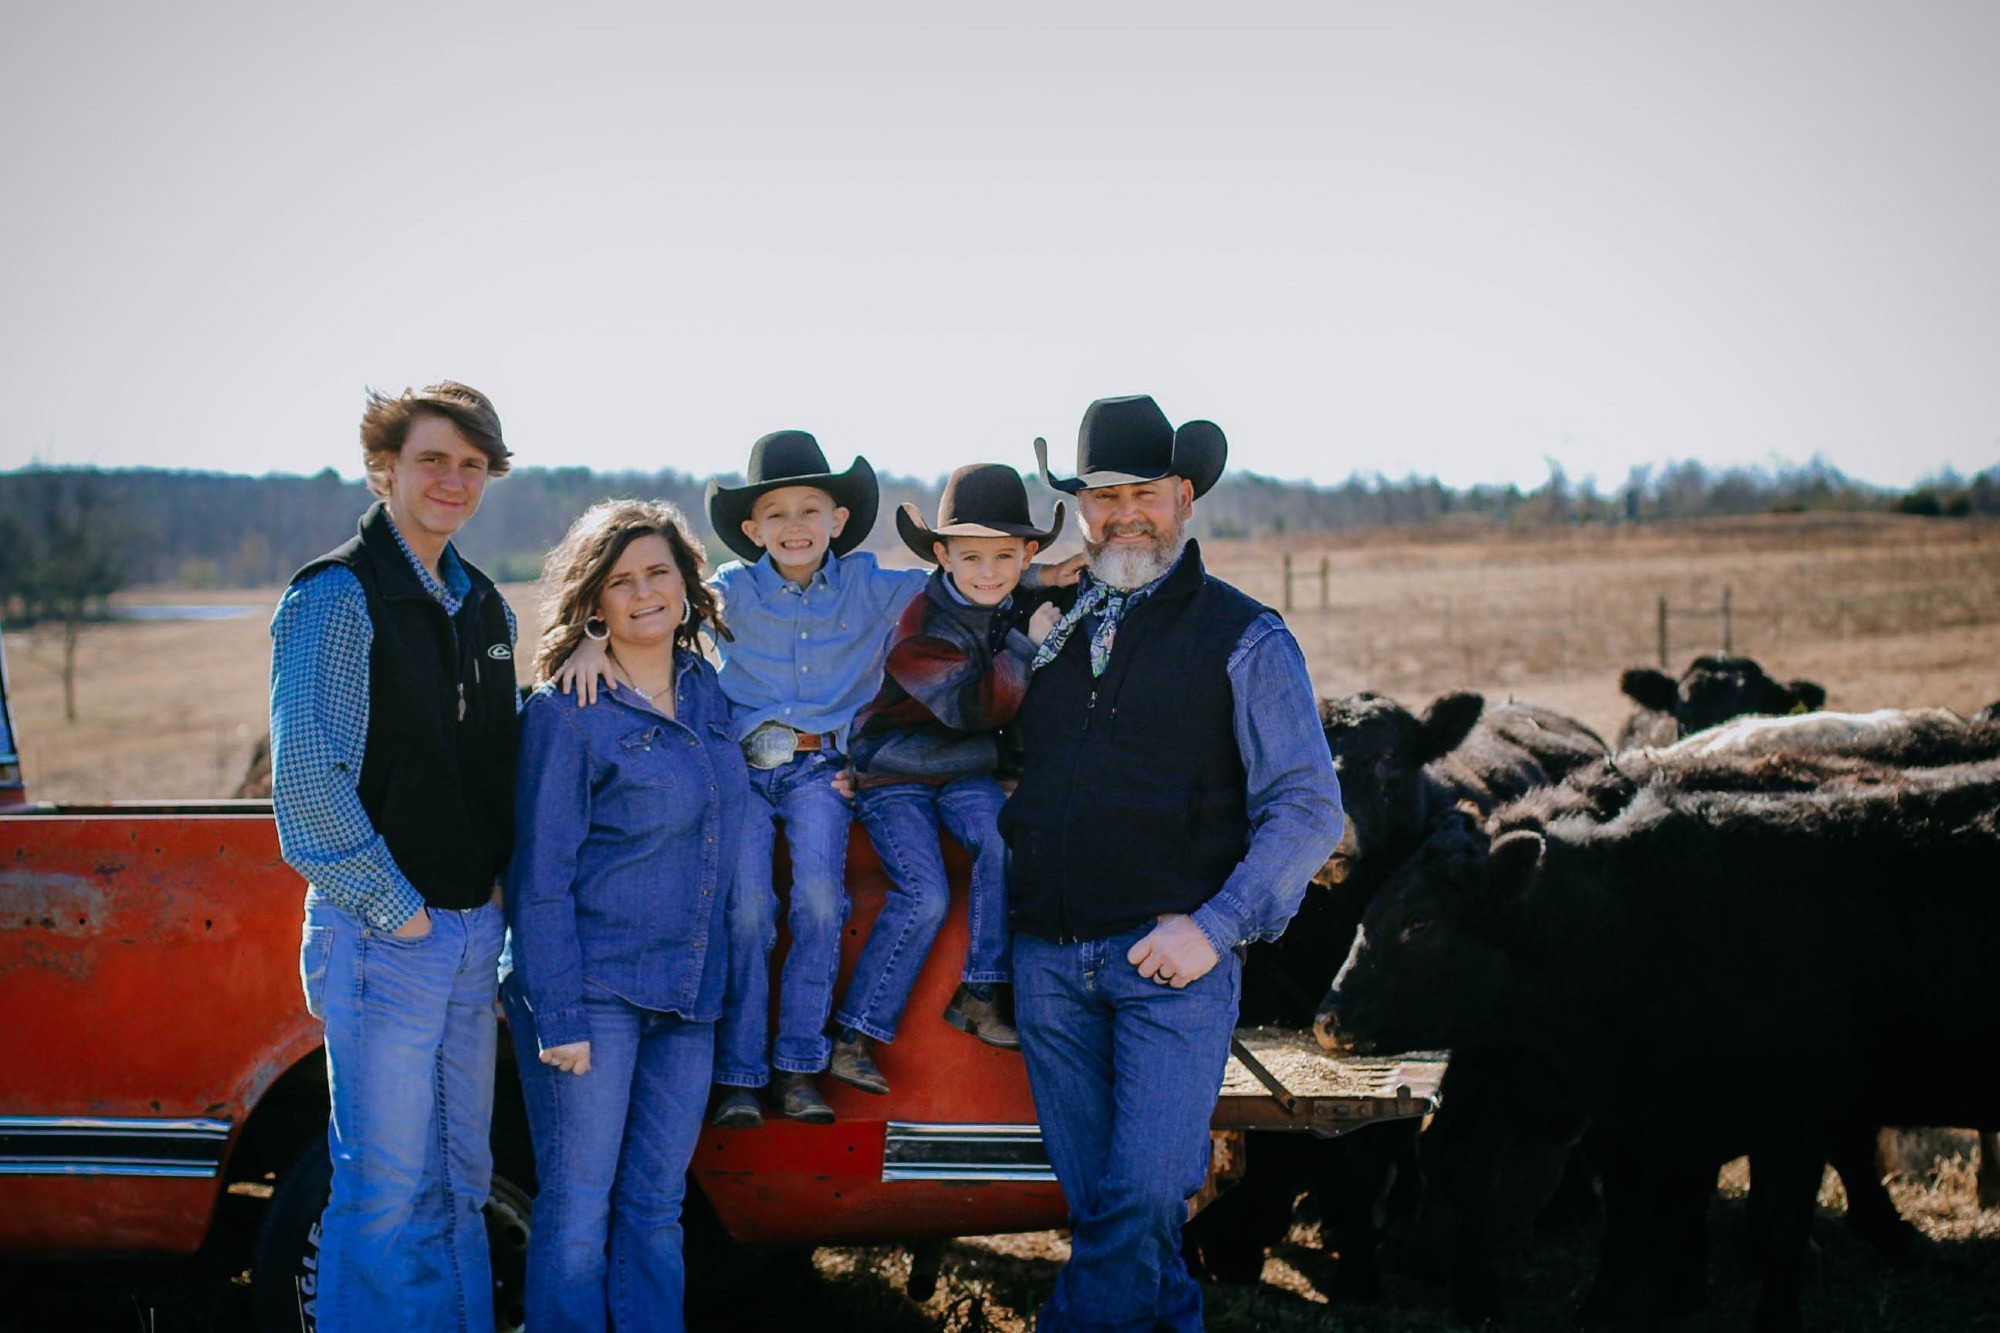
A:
(1124, 441)
(793, 458)
(979, 500)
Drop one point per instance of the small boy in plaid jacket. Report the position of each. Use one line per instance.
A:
(929, 753)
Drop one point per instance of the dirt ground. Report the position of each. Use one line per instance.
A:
(1883, 611)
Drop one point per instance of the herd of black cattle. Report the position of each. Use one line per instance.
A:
(1767, 937)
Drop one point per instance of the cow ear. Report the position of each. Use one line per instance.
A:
(1811, 694)
(1447, 722)
(1650, 689)
(1513, 857)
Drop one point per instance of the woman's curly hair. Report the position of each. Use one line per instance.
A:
(578, 567)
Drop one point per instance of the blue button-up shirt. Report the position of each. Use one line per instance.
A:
(809, 657)
(627, 825)
(320, 641)
(1293, 793)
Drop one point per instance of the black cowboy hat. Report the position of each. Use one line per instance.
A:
(1127, 440)
(979, 500)
(793, 458)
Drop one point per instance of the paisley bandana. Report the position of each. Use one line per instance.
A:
(1110, 605)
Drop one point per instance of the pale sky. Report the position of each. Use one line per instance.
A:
(1448, 238)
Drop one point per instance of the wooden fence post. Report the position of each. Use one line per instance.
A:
(1663, 632)
(1325, 582)
(1728, 645)
(1287, 603)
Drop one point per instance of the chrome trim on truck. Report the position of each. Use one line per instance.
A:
(73, 1145)
(913, 1151)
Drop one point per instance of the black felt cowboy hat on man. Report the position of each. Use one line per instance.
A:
(793, 458)
(979, 500)
(1124, 441)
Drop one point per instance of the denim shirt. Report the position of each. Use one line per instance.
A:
(1293, 793)
(625, 851)
(810, 656)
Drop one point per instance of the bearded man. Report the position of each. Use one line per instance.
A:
(1176, 798)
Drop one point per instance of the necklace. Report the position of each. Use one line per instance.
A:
(647, 695)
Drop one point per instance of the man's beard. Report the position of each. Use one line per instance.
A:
(1127, 567)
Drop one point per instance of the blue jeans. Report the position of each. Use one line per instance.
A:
(903, 819)
(799, 794)
(410, 1042)
(1125, 1073)
(612, 1149)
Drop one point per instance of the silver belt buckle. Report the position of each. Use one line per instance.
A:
(771, 745)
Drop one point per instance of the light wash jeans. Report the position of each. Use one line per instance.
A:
(817, 818)
(410, 1042)
(1125, 1073)
(612, 1149)
(903, 819)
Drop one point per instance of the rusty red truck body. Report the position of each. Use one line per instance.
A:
(157, 1054)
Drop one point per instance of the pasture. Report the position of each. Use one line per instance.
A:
(1883, 611)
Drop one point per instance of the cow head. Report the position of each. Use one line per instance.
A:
(1714, 689)
(1428, 964)
(1380, 749)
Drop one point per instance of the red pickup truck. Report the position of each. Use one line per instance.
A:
(157, 1055)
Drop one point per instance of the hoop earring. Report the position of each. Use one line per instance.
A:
(603, 630)
(687, 610)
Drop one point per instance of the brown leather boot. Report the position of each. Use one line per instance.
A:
(736, 1108)
(799, 1099)
(853, 1065)
(985, 1010)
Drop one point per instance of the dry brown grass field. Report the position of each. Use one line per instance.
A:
(1883, 611)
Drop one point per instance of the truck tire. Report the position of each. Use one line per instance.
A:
(284, 1266)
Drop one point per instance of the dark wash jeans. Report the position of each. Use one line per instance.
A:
(410, 1045)
(903, 819)
(1125, 1073)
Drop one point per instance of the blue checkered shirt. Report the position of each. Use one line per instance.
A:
(320, 639)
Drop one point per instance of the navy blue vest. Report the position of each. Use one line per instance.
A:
(437, 780)
(1132, 799)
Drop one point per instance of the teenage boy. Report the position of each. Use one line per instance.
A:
(928, 753)
(392, 750)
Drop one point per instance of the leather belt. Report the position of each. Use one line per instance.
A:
(773, 745)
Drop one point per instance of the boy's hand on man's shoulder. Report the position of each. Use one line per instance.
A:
(1062, 573)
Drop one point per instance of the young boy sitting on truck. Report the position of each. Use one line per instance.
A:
(928, 754)
(811, 617)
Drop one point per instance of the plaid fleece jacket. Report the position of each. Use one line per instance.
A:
(955, 676)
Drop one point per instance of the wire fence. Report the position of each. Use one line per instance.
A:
(1434, 620)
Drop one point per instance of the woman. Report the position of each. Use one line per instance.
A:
(628, 820)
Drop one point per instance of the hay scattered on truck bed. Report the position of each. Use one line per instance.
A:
(1297, 1060)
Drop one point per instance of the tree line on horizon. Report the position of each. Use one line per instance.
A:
(71, 536)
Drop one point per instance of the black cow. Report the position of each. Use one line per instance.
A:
(1399, 773)
(1712, 690)
(1709, 973)
(1505, 1116)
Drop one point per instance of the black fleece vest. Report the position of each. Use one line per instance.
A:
(438, 777)
(1132, 799)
